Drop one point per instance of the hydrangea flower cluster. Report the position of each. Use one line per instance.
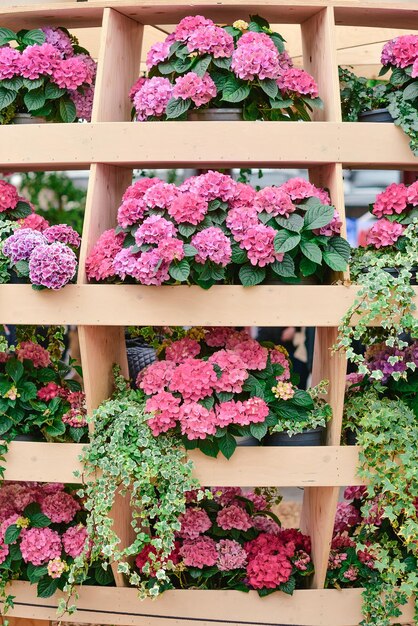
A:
(212, 385)
(258, 559)
(400, 52)
(48, 549)
(393, 208)
(60, 65)
(198, 232)
(46, 252)
(215, 66)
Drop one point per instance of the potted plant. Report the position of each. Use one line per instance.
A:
(42, 532)
(385, 271)
(230, 538)
(363, 99)
(212, 230)
(207, 72)
(44, 76)
(215, 385)
(30, 249)
(37, 399)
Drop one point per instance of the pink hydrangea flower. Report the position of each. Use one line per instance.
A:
(158, 53)
(412, 193)
(255, 410)
(252, 353)
(99, 263)
(20, 245)
(75, 418)
(32, 351)
(299, 189)
(150, 269)
(194, 522)
(334, 226)
(302, 560)
(9, 62)
(268, 571)
(60, 507)
(71, 73)
(153, 229)
(346, 517)
(152, 98)
(402, 51)
(414, 73)
(226, 495)
(34, 222)
(240, 220)
(8, 194)
(136, 87)
(216, 336)
(155, 377)
(188, 207)
(171, 249)
(234, 517)
(165, 409)
(188, 25)
(384, 233)
(234, 371)
(52, 266)
(393, 199)
(197, 422)
(199, 552)
(255, 60)
(274, 201)
(59, 39)
(211, 39)
(258, 241)
(231, 555)
(50, 391)
(182, 349)
(262, 39)
(194, 379)
(138, 189)
(91, 67)
(277, 357)
(124, 263)
(266, 525)
(212, 245)
(40, 545)
(355, 493)
(160, 195)
(244, 196)
(39, 60)
(62, 233)
(212, 185)
(298, 81)
(130, 212)
(231, 412)
(200, 89)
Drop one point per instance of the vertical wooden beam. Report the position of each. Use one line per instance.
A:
(118, 67)
(320, 60)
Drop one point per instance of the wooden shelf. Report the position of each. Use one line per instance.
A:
(256, 467)
(347, 12)
(167, 145)
(222, 305)
(111, 605)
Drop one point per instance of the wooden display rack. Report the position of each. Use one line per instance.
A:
(112, 146)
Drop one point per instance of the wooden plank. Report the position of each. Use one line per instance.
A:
(255, 467)
(222, 305)
(105, 605)
(166, 145)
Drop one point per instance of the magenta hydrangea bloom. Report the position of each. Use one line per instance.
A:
(182, 349)
(158, 53)
(298, 81)
(258, 241)
(156, 377)
(59, 39)
(99, 263)
(83, 103)
(393, 199)
(347, 516)
(401, 51)
(384, 233)
(194, 522)
(8, 195)
(193, 379)
(74, 540)
(412, 194)
(136, 87)
(152, 98)
(9, 62)
(212, 245)
(200, 89)
(211, 39)
(231, 555)
(274, 201)
(234, 517)
(255, 60)
(40, 545)
(52, 266)
(124, 263)
(150, 269)
(170, 249)
(153, 229)
(188, 25)
(165, 409)
(241, 220)
(39, 60)
(70, 73)
(130, 212)
(64, 234)
(20, 245)
(188, 207)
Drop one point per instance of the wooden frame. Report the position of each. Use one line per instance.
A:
(113, 146)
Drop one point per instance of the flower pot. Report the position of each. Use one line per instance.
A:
(378, 115)
(29, 438)
(140, 355)
(246, 441)
(393, 271)
(311, 437)
(215, 115)
(350, 437)
(27, 118)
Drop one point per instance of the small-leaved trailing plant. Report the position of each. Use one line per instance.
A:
(383, 271)
(230, 538)
(387, 431)
(125, 460)
(42, 531)
(216, 384)
(214, 230)
(202, 65)
(46, 73)
(359, 94)
(37, 397)
(31, 249)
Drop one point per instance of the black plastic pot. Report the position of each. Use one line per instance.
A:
(393, 271)
(215, 115)
(140, 355)
(378, 115)
(29, 438)
(311, 437)
(350, 437)
(247, 441)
